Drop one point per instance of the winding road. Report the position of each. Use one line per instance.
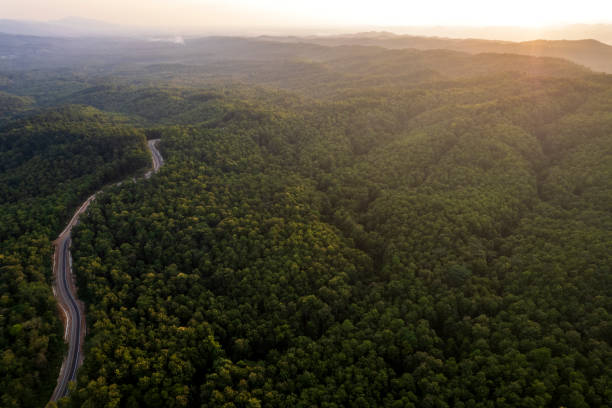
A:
(65, 292)
(158, 160)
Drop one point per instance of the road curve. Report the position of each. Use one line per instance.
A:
(158, 160)
(64, 291)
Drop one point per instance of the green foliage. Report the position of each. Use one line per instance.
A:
(48, 164)
(441, 247)
(348, 226)
(12, 104)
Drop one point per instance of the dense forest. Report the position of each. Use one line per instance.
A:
(49, 162)
(334, 226)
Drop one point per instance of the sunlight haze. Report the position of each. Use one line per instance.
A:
(314, 13)
(305, 203)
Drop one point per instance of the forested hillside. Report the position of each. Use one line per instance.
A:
(334, 226)
(446, 246)
(49, 162)
(12, 104)
(588, 52)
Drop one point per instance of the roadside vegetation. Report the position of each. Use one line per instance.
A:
(49, 163)
(335, 227)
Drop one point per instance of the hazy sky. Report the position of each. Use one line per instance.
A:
(285, 13)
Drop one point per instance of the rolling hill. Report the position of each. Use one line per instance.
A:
(590, 53)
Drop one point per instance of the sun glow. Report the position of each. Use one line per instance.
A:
(287, 13)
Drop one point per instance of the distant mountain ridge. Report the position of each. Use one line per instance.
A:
(225, 53)
(65, 27)
(590, 53)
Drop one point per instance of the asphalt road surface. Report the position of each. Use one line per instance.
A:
(158, 160)
(65, 291)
